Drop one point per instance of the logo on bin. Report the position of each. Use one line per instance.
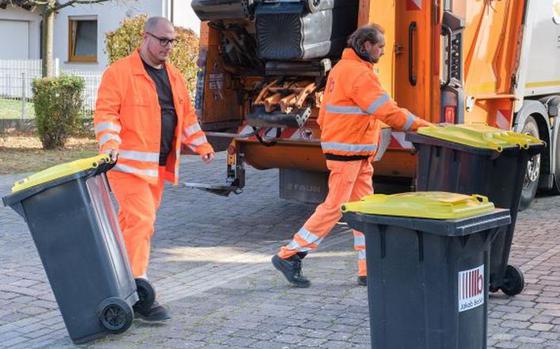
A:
(471, 288)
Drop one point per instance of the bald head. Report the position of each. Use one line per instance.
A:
(159, 39)
(155, 23)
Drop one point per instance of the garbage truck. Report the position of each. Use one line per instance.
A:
(264, 65)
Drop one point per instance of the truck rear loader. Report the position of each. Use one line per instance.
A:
(265, 64)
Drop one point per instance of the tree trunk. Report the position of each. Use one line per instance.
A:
(48, 43)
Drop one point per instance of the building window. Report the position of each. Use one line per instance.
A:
(82, 40)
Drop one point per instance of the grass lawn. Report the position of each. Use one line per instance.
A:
(11, 109)
(21, 153)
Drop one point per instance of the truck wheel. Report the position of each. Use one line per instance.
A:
(313, 5)
(514, 282)
(556, 186)
(531, 181)
(115, 315)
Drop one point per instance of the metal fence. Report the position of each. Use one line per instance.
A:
(16, 77)
(92, 80)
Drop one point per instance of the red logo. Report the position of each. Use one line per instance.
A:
(471, 288)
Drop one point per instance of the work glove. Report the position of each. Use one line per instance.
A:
(113, 154)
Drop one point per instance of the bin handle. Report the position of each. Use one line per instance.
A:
(460, 199)
(104, 164)
(412, 28)
(481, 198)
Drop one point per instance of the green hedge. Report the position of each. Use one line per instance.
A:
(58, 105)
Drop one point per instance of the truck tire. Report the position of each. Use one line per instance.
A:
(556, 155)
(313, 5)
(531, 181)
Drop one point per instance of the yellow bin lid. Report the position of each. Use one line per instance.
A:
(60, 171)
(480, 136)
(429, 204)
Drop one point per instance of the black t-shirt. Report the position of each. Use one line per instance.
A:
(168, 115)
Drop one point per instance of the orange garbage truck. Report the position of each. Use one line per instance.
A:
(264, 65)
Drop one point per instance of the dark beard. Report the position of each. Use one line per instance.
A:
(364, 55)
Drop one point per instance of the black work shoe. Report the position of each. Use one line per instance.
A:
(156, 313)
(291, 268)
(362, 280)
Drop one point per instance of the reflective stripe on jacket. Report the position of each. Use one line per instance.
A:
(128, 118)
(353, 104)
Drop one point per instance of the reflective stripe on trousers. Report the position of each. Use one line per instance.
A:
(348, 181)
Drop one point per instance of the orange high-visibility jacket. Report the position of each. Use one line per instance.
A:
(128, 119)
(353, 104)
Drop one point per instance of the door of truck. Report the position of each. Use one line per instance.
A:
(218, 100)
(417, 62)
(416, 76)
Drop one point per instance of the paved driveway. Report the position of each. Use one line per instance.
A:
(211, 266)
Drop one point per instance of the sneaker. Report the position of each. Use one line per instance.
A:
(362, 280)
(291, 268)
(156, 313)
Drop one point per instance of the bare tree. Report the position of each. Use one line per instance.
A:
(47, 9)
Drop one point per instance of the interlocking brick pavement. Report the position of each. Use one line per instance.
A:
(210, 264)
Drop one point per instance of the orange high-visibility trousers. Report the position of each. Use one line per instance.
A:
(348, 181)
(138, 203)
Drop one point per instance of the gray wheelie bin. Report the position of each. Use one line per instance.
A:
(72, 221)
(427, 257)
(478, 159)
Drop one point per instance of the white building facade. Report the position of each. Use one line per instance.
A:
(79, 32)
(21, 33)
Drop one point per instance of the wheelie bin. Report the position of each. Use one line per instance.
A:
(479, 159)
(71, 218)
(427, 257)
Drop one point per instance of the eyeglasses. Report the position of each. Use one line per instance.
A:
(163, 41)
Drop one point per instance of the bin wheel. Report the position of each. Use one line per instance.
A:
(115, 314)
(493, 289)
(146, 294)
(514, 282)
(313, 5)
